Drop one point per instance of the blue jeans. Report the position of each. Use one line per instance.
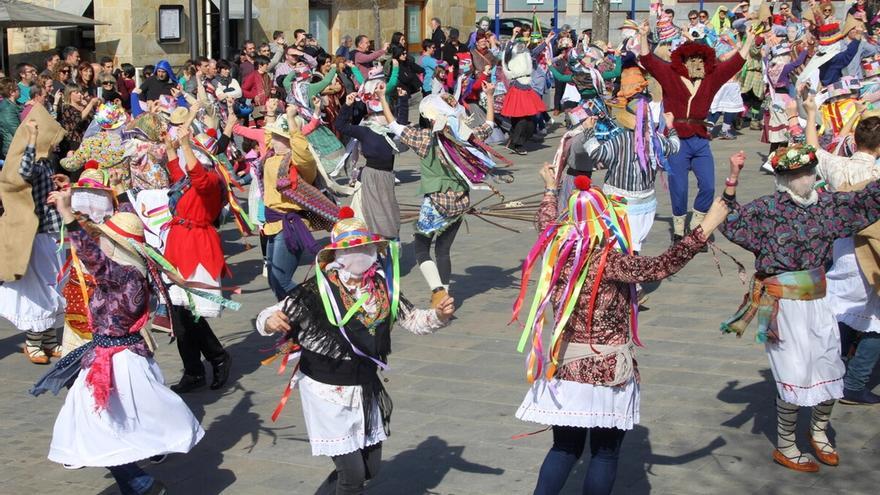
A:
(696, 156)
(860, 366)
(282, 265)
(729, 117)
(568, 445)
(131, 479)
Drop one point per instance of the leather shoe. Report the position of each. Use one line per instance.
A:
(188, 383)
(221, 371)
(828, 458)
(794, 464)
(863, 397)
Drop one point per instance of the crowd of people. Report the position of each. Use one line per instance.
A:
(115, 182)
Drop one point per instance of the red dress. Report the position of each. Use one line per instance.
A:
(192, 238)
(521, 101)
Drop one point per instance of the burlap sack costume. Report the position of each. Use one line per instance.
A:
(18, 224)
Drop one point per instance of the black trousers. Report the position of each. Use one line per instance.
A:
(194, 340)
(522, 129)
(352, 471)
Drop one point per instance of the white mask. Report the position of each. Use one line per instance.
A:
(96, 204)
(484, 25)
(357, 260)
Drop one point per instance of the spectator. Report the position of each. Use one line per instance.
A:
(429, 63)
(107, 85)
(61, 76)
(9, 113)
(451, 51)
(398, 39)
(343, 72)
(27, 74)
(257, 85)
(226, 86)
(85, 77)
(344, 49)
(203, 73)
(704, 17)
(246, 62)
(437, 36)
(125, 84)
(52, 96)
(160, 83)
(363, 57)
(291, 57)
(51, 64)
(693, 18)
(71, 58)
(76, 114)
(38, 97)
(107, 66)
(147, 71)
(312, 48)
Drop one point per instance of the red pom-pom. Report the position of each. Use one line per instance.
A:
(582, 182)
(345, 212)
(212, 132)
(92, 165)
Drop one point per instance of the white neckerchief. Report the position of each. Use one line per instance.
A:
(804, 202)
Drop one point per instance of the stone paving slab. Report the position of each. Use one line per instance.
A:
(707, 416)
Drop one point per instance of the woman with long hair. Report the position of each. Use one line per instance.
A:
(85, 78)
(77, 109)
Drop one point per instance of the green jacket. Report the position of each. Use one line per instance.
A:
(9, 122)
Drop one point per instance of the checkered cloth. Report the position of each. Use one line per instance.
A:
(39, 176)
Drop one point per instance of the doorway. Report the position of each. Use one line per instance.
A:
(319, 27)
(414, 25)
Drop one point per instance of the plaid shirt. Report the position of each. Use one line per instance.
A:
(420, 140)
(39, 175)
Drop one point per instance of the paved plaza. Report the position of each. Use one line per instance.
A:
(707, 410)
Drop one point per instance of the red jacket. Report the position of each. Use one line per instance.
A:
(256, 87)
(681, 100)
(192, 238)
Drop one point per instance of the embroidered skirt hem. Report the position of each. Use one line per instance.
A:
(581, 404)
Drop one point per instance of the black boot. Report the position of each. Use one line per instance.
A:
(188, 383)
(221, 371)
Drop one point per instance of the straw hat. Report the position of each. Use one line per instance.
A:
(123, 228)
(178, 116)
(92, 178)
(349, 232)
(280, 127)
(629, 24)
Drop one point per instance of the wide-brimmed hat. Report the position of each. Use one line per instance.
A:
(125, 228)
(829, 33)
(850, 24)
(109, 116)
(92, 177)
(629, 24)
(349, 232)
(794, 158)
(178, 116)
(280, 127)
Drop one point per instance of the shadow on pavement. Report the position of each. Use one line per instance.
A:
(481, 278)
(422, 468)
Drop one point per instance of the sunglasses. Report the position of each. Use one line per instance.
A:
(66, 71)
(107, 83)
(692, 18)
(826, 11)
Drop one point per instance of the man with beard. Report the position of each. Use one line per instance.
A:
(246, 65)
(689, 85)
(160, 83)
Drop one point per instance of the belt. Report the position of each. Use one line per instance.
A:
(690, 121)
(108, 341)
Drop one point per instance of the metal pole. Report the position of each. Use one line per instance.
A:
(3, 49)
(632, 10)
(224, 29)
(248, 19)
(193, 29)
(556, 16)
(497, 18)
(701, 4)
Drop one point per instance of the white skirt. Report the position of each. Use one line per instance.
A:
(34, 302)
(581, 404)
(334, 417)
(806, 361)
(204, 307)
(852, 299)
(143, 418)
(151, 205)
(728, 99)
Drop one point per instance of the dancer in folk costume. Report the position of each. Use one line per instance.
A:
(689, 83)
(93, 198)
(780, 66)
(118, 410)
(295, 198)
(851, 296)
(587, 380)
(30, 293)
(347, 410)
(795, 321)
(453, 160)
(521, 103)
(197, 198)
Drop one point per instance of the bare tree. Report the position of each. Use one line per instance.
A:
(601, 20)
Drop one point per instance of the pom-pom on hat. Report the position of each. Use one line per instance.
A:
(583, 183)
(692, 49)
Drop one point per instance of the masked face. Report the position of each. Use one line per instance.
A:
(357, 260)
(95, 204)
(628, 33)
(484, 25)
(696, 67)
